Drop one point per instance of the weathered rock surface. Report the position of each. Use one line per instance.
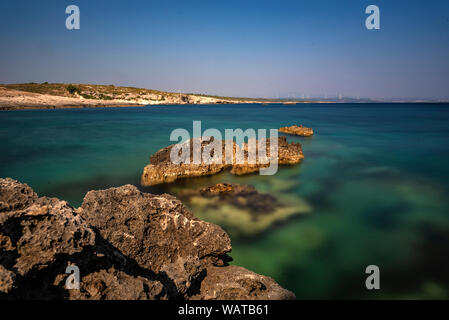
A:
(39, 238)
(126, 244)
(113, 284)
(297, 130)
(7, 279)
(233, 282)
(158, 232)
(162, 170)
(34, 231)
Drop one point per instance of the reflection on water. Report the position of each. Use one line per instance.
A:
(371, 190)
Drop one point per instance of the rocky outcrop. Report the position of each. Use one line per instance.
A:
(157, 232)
(297, 131)
(126, 244)
(234, 282)
(241, 209)
(162, 170)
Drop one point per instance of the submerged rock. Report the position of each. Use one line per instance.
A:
(162, 170)
(240, 196)
(126, 244)
(297, 130)
(241, 209)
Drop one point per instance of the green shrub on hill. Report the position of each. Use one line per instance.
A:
(72, 89)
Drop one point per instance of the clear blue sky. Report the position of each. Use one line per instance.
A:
(235, 48)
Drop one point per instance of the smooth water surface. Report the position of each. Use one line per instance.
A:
(375, 180)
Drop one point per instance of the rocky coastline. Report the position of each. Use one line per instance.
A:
(62, 96)
(126, 244)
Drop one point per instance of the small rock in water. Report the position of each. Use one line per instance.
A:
(297, 131)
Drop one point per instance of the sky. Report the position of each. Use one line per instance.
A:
(241, 48)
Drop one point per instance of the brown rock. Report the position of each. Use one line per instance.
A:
(162, 170)
(7, 279)
(288, 154)
(40, 239)
(33, 236)
(297, 130)
(117, 285)
(15, 196)
(237, 283)
(158, 232)
(220, 189)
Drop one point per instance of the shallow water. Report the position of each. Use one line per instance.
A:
(374, 181)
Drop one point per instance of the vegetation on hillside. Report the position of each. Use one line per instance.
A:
(111, 92)
(90, 91)
(100, 92)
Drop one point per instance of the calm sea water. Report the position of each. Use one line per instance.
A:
(375, 180)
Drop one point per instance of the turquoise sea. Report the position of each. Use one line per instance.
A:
(374, 180)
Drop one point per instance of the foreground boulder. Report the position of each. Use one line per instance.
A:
(162, 170)
(297, 131)
(157, 232)
(39, 239)
(126, 244)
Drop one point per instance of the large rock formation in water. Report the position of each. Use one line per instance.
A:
(297, 131)
(162, 170)
(126, 244)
